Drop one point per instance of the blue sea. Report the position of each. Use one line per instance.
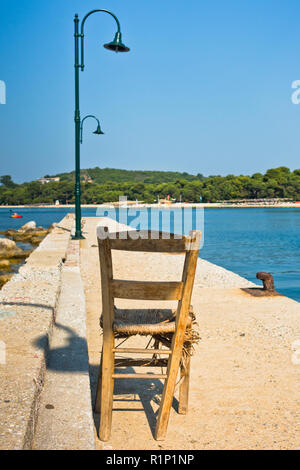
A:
(242, 240)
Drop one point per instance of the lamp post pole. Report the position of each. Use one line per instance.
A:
(117, 46)
(78, 234)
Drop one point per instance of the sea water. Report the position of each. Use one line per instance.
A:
(243, 240)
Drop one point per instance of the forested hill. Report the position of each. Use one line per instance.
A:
(105, 175)
(108, 185)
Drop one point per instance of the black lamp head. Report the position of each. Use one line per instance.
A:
(116, 45)
(98, 131)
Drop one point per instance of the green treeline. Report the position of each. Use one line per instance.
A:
(108, 175)
(106, 185)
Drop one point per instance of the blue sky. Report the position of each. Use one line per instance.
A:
(205, 89)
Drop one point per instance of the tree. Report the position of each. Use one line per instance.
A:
(277, 182)
(6, 181)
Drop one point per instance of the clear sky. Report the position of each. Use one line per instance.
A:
(205, 89)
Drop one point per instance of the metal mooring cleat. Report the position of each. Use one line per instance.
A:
(268, 288)
(268, 281)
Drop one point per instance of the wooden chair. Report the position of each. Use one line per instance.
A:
(166, 327)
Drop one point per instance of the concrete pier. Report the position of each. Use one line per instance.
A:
(65, 414)
(28, 306)
(245, 370)
(45, 400)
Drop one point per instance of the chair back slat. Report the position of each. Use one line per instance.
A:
(146, 290)
(145, 240)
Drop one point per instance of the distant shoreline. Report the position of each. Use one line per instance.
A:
(161, 206)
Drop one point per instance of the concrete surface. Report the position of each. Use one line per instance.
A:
(65, 420)
(245, 371)
(27, 310)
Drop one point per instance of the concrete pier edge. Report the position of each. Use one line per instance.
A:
(28, 306)
(65, 420)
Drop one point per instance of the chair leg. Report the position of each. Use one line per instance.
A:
(155, 346)
(107, 390)
(184, 387)
(98, 393)
(168, 393)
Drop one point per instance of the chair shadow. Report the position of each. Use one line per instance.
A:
(73, 358)
(145, 391)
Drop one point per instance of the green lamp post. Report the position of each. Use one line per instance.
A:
(117, 46)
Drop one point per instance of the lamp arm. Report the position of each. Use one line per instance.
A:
(82, 30)
(81, 125)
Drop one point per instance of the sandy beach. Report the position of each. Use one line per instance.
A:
(159, 206)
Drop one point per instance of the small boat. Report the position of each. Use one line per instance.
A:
(15, 215)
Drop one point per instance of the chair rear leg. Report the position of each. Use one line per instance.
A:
(107, 390)
(155, 346)
(184, 387)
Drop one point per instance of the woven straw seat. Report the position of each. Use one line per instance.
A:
(129, 322)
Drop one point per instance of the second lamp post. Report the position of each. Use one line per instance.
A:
(98, 131)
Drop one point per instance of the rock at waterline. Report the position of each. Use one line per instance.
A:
(11, 254)
(9, 249)
(6, 244)
(4, 279)
(33, 236)
(29, 233)
(29, 226)
(5, 265)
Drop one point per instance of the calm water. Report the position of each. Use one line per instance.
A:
(242, 240)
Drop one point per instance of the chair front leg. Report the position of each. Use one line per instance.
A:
(98, 393)
(185, 385)
(168, 393)
(107, 389)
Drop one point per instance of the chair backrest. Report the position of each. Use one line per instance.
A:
(147, 241)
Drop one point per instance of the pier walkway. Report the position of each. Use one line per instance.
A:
(245, 370)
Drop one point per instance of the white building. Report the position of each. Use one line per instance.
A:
(49, 180)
